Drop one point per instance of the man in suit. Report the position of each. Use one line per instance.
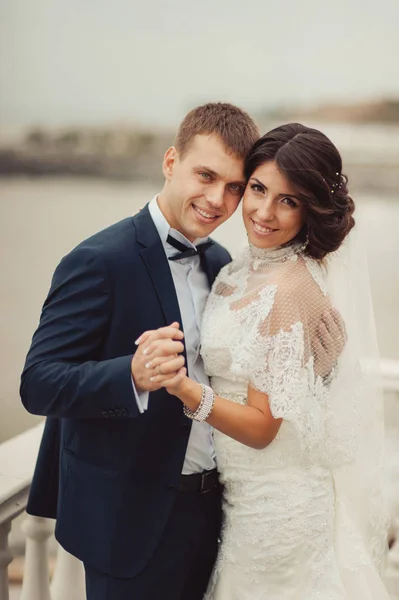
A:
(131, 481)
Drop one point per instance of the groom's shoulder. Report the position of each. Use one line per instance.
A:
(111, 238)
(220, 253)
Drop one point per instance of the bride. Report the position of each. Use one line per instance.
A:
(299, 452)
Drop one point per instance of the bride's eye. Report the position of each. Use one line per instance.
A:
(290, 202)
(257, 188)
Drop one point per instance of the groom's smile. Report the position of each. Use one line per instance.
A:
(204, 215)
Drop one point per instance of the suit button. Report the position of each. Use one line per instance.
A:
(123, 412)
(117, 412)
(104, 414)
(111, 413)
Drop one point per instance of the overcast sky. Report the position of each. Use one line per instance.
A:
(148, 61)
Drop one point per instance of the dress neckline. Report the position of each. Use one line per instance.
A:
(277, 254)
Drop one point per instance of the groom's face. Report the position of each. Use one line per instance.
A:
(203, 187)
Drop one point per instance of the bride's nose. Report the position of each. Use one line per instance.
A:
(266, 211)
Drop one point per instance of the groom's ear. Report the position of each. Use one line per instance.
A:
(169, 161)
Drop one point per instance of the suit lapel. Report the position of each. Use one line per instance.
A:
(210, 264)
(157, 265)
(156, 262)
(154, 258)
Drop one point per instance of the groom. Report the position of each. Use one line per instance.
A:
(133, 482)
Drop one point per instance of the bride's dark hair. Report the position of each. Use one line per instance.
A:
(313, 165)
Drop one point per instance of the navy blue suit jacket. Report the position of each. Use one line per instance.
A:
(105, 471)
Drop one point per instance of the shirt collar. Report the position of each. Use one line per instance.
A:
(164, 229)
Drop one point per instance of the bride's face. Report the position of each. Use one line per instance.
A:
(272, 212)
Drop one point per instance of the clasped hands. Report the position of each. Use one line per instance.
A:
(158, 361)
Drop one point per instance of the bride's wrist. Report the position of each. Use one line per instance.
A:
(190, 393)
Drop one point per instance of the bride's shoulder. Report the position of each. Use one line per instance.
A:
(303, 274)
(317, 271)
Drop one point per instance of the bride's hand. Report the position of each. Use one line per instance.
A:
(184, 388)
(159, 357)
(176, 384)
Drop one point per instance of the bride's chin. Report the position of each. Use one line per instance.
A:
(262, 243)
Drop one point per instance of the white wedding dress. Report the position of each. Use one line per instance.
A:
(292, 529)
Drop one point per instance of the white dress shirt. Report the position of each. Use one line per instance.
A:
(192, 289)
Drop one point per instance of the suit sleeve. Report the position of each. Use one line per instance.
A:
(63, 376)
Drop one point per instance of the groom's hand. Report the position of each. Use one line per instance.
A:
(328, 342)
(158, 357)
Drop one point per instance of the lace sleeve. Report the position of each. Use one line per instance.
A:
(282, 364)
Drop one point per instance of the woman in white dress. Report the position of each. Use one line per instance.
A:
(298, 451)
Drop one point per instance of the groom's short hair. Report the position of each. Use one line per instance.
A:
(231, 124)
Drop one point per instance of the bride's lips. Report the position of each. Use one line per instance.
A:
(262, 230)
(203, 215)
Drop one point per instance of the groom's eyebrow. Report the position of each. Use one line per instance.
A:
(242, 182)
(207, 169)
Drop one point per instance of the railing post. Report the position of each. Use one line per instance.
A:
(69, 578)
(392, 566)
(5, 559)
(35, 584)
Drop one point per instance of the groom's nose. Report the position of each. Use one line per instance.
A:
(215, 196)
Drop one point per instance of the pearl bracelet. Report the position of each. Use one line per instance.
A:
(205, 406)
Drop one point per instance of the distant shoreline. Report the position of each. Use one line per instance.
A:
(125, 152)
(362, 177)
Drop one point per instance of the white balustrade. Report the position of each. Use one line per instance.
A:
(5, 559)
(390, 374)
(17, 461)
(392, 567)
(68, 569)
(36, 582)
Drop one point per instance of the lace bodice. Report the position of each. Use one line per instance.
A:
(259, 329)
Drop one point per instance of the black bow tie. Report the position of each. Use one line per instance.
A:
(186, 251)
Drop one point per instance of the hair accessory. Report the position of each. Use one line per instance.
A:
(336, 184)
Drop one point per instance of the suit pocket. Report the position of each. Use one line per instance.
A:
(86, 469)
(94, 503)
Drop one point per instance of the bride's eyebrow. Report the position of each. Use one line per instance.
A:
(282, 195)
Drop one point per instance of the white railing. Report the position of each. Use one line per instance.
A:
(17, 461)
(390, 378)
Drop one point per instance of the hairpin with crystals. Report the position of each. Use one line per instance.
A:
(336, 184)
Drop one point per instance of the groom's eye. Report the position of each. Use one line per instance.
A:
(236, 188)
(205, 176)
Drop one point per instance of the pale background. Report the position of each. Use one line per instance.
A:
(98, 61)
